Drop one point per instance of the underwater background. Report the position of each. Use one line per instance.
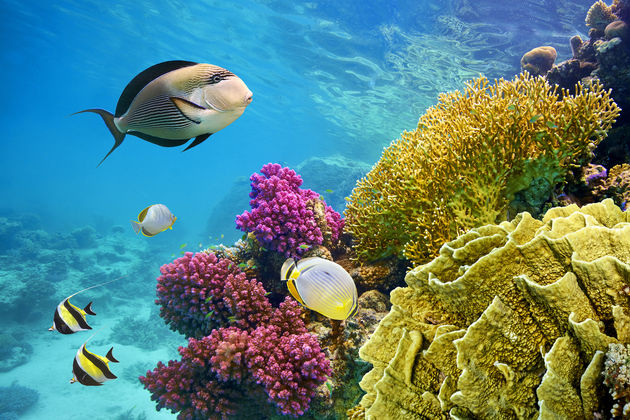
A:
(333, 84)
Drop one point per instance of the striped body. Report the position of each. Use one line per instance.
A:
(211, 99)
(91, 369)
(321, 285)
(69, 319)
(153, 220)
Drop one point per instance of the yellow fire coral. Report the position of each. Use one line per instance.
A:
(510, 321)
(599, 15)
(468, 158)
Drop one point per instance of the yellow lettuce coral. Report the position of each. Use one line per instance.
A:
(468, 158)
(509, 321)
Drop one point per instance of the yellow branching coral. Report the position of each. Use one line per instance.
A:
(510, 321)
(469, 156)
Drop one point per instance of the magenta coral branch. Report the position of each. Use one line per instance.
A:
(285, 217)
(251, 353)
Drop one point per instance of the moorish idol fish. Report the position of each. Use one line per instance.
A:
(69, 319)
(153, 220)
(171, 102)
(91, 369)
(321, 285)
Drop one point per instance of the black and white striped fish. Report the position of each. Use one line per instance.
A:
(91, 369)
(174, 101)
(68, 318)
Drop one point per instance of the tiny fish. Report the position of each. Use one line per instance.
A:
(171, 102)
(321, 285)
(182, 246)
(69, 319)
(304, 246)
(153, 220)
(91, 369)
(328, 191)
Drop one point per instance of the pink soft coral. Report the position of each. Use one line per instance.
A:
(286, 218)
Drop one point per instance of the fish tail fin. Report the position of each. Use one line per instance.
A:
(110, 356)
(136, 226)
(88, 309)
(109, 122)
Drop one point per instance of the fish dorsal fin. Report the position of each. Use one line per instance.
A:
(143, 214)
(144, 78)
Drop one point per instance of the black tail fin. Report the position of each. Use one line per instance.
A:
(88, 309)
(110, 356)
(109, 122)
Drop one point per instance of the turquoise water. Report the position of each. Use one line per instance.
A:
(332, 80)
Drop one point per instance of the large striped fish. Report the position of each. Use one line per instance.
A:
(91, 369)
(68, 318)
(172, 102)
(321, 285)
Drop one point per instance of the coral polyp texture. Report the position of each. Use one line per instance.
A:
(286, 218)
(242, 352)
(509, 321)
(473, 156)
(198, 293)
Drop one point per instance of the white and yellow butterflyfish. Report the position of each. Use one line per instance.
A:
(321, 285)
(154, 219)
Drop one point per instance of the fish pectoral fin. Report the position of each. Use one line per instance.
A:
(190, 110)
(198, 140)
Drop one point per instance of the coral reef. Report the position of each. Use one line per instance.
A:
(509, 321)
(242, 351)
(427, 186)
(539, 60)
(198, 293)
(16, 399)
(599, 16)
(13, 352)
(286, 218)
(617, 377)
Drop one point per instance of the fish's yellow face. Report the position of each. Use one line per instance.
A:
(229, 94)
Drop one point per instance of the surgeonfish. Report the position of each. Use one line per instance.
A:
(153, 220)
(171, 102)
(91, 369)
(321, 285)
(68, 318)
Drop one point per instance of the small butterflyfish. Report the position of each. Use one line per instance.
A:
(69, 319)
(171, 102)
(321, 285)
(153, 220)
(91, 369)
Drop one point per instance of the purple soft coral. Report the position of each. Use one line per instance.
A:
(285, 217)
(198, 293)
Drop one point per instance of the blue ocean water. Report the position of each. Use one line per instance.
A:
(331, 80)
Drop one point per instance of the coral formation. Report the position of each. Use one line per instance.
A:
(241, 350)
(16, 399)
(617, 28)
(198, 293)
(599, 16)
(617, 377)
(539, 60)
(286, 218)
(428, 187)
(509, 321)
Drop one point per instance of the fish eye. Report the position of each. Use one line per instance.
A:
(215, 79)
